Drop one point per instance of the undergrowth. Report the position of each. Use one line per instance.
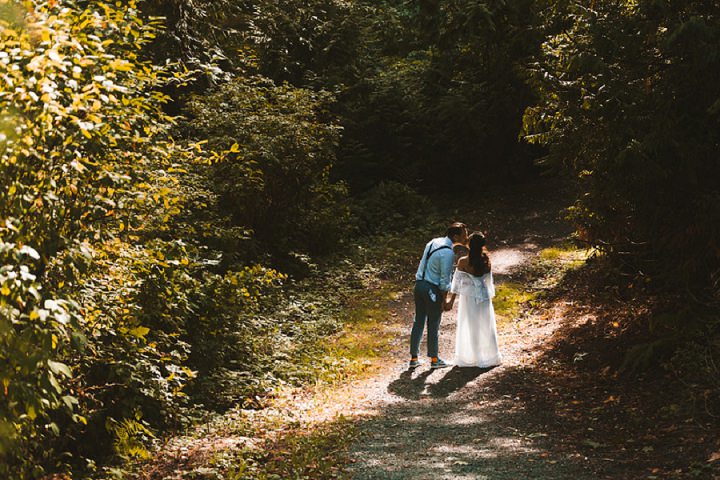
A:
(328, 330)
(331, 328)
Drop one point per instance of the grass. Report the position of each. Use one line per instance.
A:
(566, 253)
(362, 339)
(266, 445)
(553, 263)
(318, 453)
(510, 299)
(293, 451)
(545, 272)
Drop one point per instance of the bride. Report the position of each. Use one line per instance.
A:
(476, 337)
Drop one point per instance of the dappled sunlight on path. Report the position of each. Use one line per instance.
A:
(507, 259)
(453, 423)
(461, 423)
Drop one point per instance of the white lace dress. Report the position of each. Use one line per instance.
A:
(476, 342)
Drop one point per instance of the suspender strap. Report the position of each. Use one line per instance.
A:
(427, 257)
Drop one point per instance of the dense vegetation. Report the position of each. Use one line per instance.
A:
(629, 105)
(172, 169)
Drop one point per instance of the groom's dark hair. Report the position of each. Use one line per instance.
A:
(455, 229)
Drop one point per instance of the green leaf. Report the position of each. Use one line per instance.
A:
(59, 368)
(69, 400)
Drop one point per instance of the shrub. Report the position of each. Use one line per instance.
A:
(232, 343)
(82, 165)
(274, 180)
(628, 92)
(390, 207)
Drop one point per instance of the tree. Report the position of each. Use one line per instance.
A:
(445, 112)
(630, 97)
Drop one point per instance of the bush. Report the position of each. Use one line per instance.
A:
(274, 179)
(232, 343)
(82, 166)
(628, 92)
(390, 207)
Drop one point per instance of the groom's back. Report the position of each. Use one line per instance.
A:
(437, 262)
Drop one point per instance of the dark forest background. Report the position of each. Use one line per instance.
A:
(171, 167)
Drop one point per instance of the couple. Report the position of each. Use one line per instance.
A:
(436, 287)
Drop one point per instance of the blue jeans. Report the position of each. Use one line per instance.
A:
(426, 310)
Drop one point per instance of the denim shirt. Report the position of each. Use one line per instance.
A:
(440, 264)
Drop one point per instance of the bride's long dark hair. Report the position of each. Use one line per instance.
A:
(479, 259)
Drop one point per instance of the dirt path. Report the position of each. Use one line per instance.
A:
(467, 423)
(557, 408)
(454, 423)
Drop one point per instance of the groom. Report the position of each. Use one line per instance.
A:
(432, 283)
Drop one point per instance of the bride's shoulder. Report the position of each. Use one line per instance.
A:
(463, 263)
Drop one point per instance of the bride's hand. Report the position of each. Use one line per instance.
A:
(448, 304)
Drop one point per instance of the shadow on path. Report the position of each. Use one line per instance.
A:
(454, 380)
(412, 386)
(463, 427)
(409, 387)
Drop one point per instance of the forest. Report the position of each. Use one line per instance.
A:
(183, 180)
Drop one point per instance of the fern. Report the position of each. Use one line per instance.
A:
(131, 438)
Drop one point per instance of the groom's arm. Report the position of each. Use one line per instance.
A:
(447, 259)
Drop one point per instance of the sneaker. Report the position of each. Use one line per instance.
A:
(439, 364)
(414, 363)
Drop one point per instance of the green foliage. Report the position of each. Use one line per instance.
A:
(416, 85)
(87, 112)
(274, 177)
(447, 107)
(131, 437)
(232, 343)
(204, 36)
(81, 164)
(629, 94)
(136, 303)
(390, 207)
(307, 41)
(34, 332)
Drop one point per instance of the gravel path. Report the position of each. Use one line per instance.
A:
(465, 423)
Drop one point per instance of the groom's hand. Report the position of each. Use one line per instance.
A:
(448, 302)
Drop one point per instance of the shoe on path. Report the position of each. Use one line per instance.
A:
(440, 363)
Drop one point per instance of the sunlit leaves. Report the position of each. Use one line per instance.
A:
(82, 151)
(87, 106)
(32, 331)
